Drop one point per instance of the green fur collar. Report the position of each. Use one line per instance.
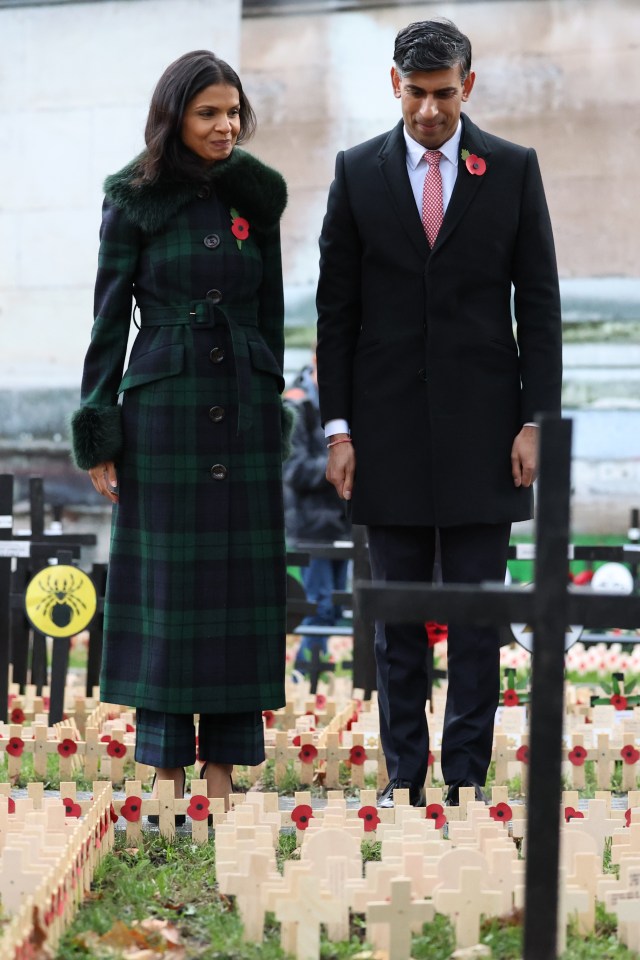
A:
(256, 190)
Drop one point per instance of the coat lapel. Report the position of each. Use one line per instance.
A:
(466, 185)
(393, 167)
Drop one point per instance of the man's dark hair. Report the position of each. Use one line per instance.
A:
(432, 45)
(179, 84)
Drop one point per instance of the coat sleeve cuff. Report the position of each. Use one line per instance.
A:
(287, 419)
(96, 435)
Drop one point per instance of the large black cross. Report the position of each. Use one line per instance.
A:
(34, 549)
(549, 607)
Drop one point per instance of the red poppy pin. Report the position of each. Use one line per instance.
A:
(301, 815)
(522, 754)
(131, 809)
(67, 747)
(269, 718)
(357, 755)
(198, 808)
(15, 746)
(370, 817)
(627, 817)
(239, 227)
(511, 698)
(501, 811)
(474, 164)
(435, 812)
(577, 756)
(308, 753)
(116, 749)
(570, 813)
(629, 753)
(71, 808)
(17, 715)
(618, 701)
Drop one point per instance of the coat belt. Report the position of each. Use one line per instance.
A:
(206, 313)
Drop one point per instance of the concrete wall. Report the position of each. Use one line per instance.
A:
(560, 75)
(75, 84)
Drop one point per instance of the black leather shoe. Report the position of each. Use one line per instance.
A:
(181, 819)
(416, 794)
(453, 795)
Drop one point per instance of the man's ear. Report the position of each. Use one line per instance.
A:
(395, 82)
(467, 86)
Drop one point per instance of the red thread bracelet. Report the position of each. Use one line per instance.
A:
(343, 440)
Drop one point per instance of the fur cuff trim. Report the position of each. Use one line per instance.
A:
(96, 435)
(288, 416)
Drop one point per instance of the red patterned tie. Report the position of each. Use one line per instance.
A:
(432, 208)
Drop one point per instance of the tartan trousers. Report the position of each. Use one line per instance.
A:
(169, 740)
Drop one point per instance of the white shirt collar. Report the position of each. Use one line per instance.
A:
(450, 149)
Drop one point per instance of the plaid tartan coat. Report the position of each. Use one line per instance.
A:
(195, 600)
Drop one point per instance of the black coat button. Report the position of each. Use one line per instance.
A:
(214, 295)
(219, 471)
(212, 241)
(204, 193)
(216, 414)
(216, 355)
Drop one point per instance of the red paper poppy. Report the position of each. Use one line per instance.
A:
(130, 728)
(357, 755)
(522, 754)
(435, 812)
(577, 756)
(308, 753)
(627, 817)
(511, 698)
(430, 759)
(240, 228)
(112, 813)
(15, 746)
(198, 808)
(71, 808)
(12, 805)
(301, 815)
(618, 701)
(17, 715)
(269, 718)
(475, 165)
(370, 817)
(350, 723)
(570, 813)
(501, 811)
(116, 749)
(131, 809)
(67, 747)
(629, 754)
(105, 738)
(436, 632)
(321, 701)
(296, 740)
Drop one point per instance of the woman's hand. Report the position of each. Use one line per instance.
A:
(105, 480)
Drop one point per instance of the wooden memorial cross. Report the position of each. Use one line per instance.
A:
(312, 906)
(398, 918)
(466, 903)
(548, 607)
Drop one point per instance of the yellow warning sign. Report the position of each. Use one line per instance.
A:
(60, 601)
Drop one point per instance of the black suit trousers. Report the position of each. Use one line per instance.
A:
(468, 554)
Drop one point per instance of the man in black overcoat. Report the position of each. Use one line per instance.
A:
(428, 391)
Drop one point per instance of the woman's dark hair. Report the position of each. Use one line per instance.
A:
(432, 45)
(176, 88)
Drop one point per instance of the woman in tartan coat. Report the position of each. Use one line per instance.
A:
(191, 458)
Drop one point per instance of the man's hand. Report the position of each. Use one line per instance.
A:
(524, 457)
(105, 480)
(341, 466)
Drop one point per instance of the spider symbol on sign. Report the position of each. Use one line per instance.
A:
(60, 603)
